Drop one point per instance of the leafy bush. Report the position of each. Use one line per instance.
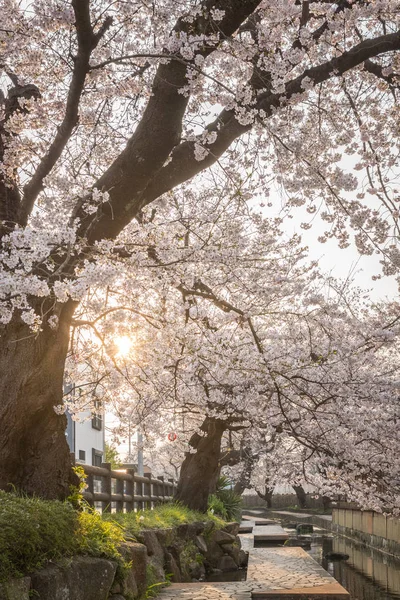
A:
(34, 531)
(98, 537)
(216, 507)
(225, 502)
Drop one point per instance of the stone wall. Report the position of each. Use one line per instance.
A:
(372, 528)
(184, 553)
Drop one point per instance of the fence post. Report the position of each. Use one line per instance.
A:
(130, 490)
(120, 489)
(106, 488)
(147, 489)
(171, 490)
(139, 492)
(160, 490)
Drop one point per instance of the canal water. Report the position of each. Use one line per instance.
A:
(367, 575)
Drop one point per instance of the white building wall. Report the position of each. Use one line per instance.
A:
(88, 439)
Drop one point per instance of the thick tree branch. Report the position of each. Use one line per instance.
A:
(184, 166)
(87, 42)
(159, 130)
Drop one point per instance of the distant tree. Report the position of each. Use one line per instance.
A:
(112, 456)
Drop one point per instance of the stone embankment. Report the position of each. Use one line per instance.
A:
(187, 552)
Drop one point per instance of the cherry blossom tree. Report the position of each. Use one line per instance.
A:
(110, 108)
(272, 362)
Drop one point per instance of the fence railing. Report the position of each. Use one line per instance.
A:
(125, 490)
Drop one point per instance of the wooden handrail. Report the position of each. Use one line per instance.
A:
(132, 491)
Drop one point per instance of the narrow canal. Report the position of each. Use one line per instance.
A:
(367, 574)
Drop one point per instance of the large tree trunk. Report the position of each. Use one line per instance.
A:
(301, 495)
(34, 454)
(200, 469)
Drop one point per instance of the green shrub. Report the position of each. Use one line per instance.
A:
(33, 531)
(216, 506)
(99, 537)
(225, 502)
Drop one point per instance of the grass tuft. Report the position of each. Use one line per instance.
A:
(162, 517)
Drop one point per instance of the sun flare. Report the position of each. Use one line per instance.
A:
(124, 345)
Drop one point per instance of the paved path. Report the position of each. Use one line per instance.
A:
(289, 571)
(246, 526)
(273, 574)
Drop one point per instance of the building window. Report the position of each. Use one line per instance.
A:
(97, 458)
(97, 422)
(82, 456)
(97, 417)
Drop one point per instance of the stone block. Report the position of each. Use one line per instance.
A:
(214, 553)
(222, 538)
(156, 568)
(150, 540)
(201, 544)
(232, 528)
(226, 563)
(15, 589)
(81, 578)
(139, 563)
(135, 582)
(233, 551)
(195, 528)
(243, 558)
(182, 530)
(171, 568)
(166, 537)
(196, 570)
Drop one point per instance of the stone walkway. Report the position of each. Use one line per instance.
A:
(270, 533)
(273, 573)
(246, 526)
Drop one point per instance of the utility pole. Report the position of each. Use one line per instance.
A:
(130, 458)
(140, 454)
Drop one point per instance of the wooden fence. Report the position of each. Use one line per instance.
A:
(367, 523)
(124, 491)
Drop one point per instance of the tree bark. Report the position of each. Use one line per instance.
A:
(244, 478)
(200, 469)
(267, 494)
(34, 454)
(301, 495)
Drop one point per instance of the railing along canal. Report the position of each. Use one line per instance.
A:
(125, 490)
